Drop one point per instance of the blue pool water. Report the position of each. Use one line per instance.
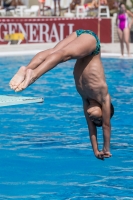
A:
(45, 152)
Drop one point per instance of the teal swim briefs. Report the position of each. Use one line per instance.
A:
(98, 47)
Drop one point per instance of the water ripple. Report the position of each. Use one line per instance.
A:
(45, 150)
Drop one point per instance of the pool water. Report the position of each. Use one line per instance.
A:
(45, 151)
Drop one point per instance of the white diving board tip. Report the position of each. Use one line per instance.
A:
(8, 100)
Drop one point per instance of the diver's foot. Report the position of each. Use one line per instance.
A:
(18, 78)
(29, 79)
(122, 56)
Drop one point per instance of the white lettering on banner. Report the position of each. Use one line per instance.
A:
(21, 30)
(42, 32)
(3, 32)
(54, 34)
(37, 32)
(61, 31)
(26, 32)
(12, 28)
(33, 33)
(70, 28)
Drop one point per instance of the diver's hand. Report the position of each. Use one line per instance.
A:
(107, 154)
(99, 155)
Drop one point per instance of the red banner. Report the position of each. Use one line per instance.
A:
(40, 30)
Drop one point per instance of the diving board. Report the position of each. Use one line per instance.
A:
(8, 100)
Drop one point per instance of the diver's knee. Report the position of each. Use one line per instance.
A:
(64, 55)
(126, 42)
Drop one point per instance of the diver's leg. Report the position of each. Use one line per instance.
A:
(120, 35)
(126, 33)
(80, 47)
(38, 59)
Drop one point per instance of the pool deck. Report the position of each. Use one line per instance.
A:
(108, 49)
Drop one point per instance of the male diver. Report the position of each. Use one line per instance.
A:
(84, 46)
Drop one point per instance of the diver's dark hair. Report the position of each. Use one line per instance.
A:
(98, 125)
(111, 115)
(122, 3)
(119, 10)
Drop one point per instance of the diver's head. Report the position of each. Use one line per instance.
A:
(122, 8)
(95, 113)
